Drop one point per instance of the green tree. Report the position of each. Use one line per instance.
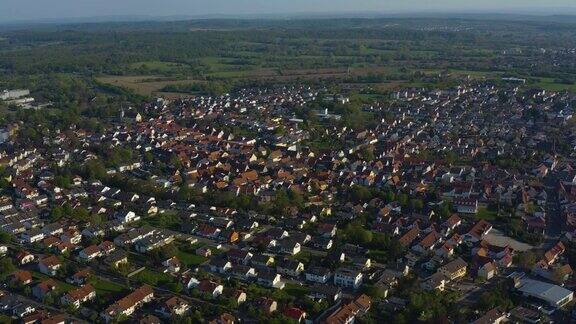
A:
(6, 267)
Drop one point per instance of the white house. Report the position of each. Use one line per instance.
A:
(348, 278)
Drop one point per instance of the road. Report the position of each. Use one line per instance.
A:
(554, 219)
(29, 301)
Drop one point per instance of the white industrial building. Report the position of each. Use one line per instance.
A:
(553, 295)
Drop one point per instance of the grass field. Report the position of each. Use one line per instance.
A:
(486, 214)
(105, 287)
(190, 259)
(296, 290)
(152, 278)
(142, 84)
(159, 66)
(63, 286)
(550, 84)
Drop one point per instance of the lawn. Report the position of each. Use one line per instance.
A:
(153, 278)
(486, 214)
(63, 286)
(159, 66)
(550, 84)
(105, 287)
(296, 290)
(190, 259)
(5, 319)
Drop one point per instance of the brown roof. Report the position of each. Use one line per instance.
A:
(80, 293)
(175, 302)
(22, 276)
(455, 265)
(453, 220)
(129, 301)
(47, 285)
(429, 240)
(207, 286)
(479, 228)
(410, 236)
(50, 261)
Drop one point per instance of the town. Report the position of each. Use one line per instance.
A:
(296, 204)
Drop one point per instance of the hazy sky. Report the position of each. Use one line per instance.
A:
(11, 10)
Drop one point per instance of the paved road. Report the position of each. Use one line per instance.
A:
(554, 219)
(29, 301)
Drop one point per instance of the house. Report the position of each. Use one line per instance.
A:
(90, 253)
(487, 270)
(22, 277)
(204, 251)
(174, 306)
(149, 319)
(23, 310)
(554, 253)
(243, 272)
(71, 236)
(239, 296)
(478, 231)
(454, 269)
(219, 265)
(78, 296)
(210, 288)
(262, 260)
(348, 278)
(80, 277)
(126, 216)
(295, 314)
(49, 265)
(128, 305)
(270, 279)
(106, 247)
(289, 267)
(348, 312)
(31, 236)
(172, 265)
(452, 223)
(436, 281)
(427, 243)
(116, 258)
(239, 256)
(325, 292)
(289, 246)
(190, 282)
(42, 289)
(224, 318)
(267, 305)
(322, 243)
(493, 316)
(23, 257)
(466, 205)
(318, 275)
(327, 230)
(409, 237)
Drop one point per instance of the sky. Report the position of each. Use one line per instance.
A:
(17, 10)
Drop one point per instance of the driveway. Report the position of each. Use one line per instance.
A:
(495, 237)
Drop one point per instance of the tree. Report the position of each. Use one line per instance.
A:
(56, 213)
(5, 237)
(403, 199)
(356, 234)
(6, 267)
(360, 193)
(526, 260)
(496, 297)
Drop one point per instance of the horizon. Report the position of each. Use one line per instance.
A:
(28, 11)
